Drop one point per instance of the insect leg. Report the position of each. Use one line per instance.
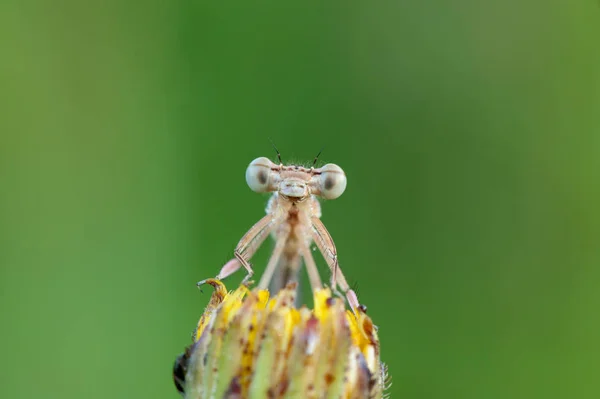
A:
(286, 272)
(229, 268)
(281, 239)
(311, 267)
(327, 247)
(247, 246)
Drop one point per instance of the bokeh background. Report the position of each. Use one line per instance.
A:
(469, 131)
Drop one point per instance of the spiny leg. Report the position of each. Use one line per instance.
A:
(247, 246)
(327, 247)
(274, 259)
(311, 268)
(246, 265)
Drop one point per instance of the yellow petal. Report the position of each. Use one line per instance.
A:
(250, 345)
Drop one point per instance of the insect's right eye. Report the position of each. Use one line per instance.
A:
(333, 181)
(258, 174)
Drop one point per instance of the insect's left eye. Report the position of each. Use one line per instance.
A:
(332, 181)
(258, 174)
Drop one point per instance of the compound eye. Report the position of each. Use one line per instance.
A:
(258, 174)
(333, 181)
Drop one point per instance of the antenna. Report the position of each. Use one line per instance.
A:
(276, 150)
(317, 157)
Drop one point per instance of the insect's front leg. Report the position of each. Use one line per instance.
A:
(228, 269)
(324, 242)
(247, 246)
(244, 262)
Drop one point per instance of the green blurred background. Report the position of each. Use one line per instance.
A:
(469, 131)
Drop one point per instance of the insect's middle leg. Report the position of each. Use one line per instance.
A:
(282, 236)
(311, 268)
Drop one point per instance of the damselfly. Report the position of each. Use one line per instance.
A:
(293, 219)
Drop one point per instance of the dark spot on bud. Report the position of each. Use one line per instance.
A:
(329, 302)
(329, 378)
(283, 386)
(368, 327)
(179, 371)
(364, 374)
(362, 308)
(234, 390)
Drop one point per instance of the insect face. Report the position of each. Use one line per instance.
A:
(293, 181)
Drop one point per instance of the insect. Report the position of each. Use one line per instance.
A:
(293, 219)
